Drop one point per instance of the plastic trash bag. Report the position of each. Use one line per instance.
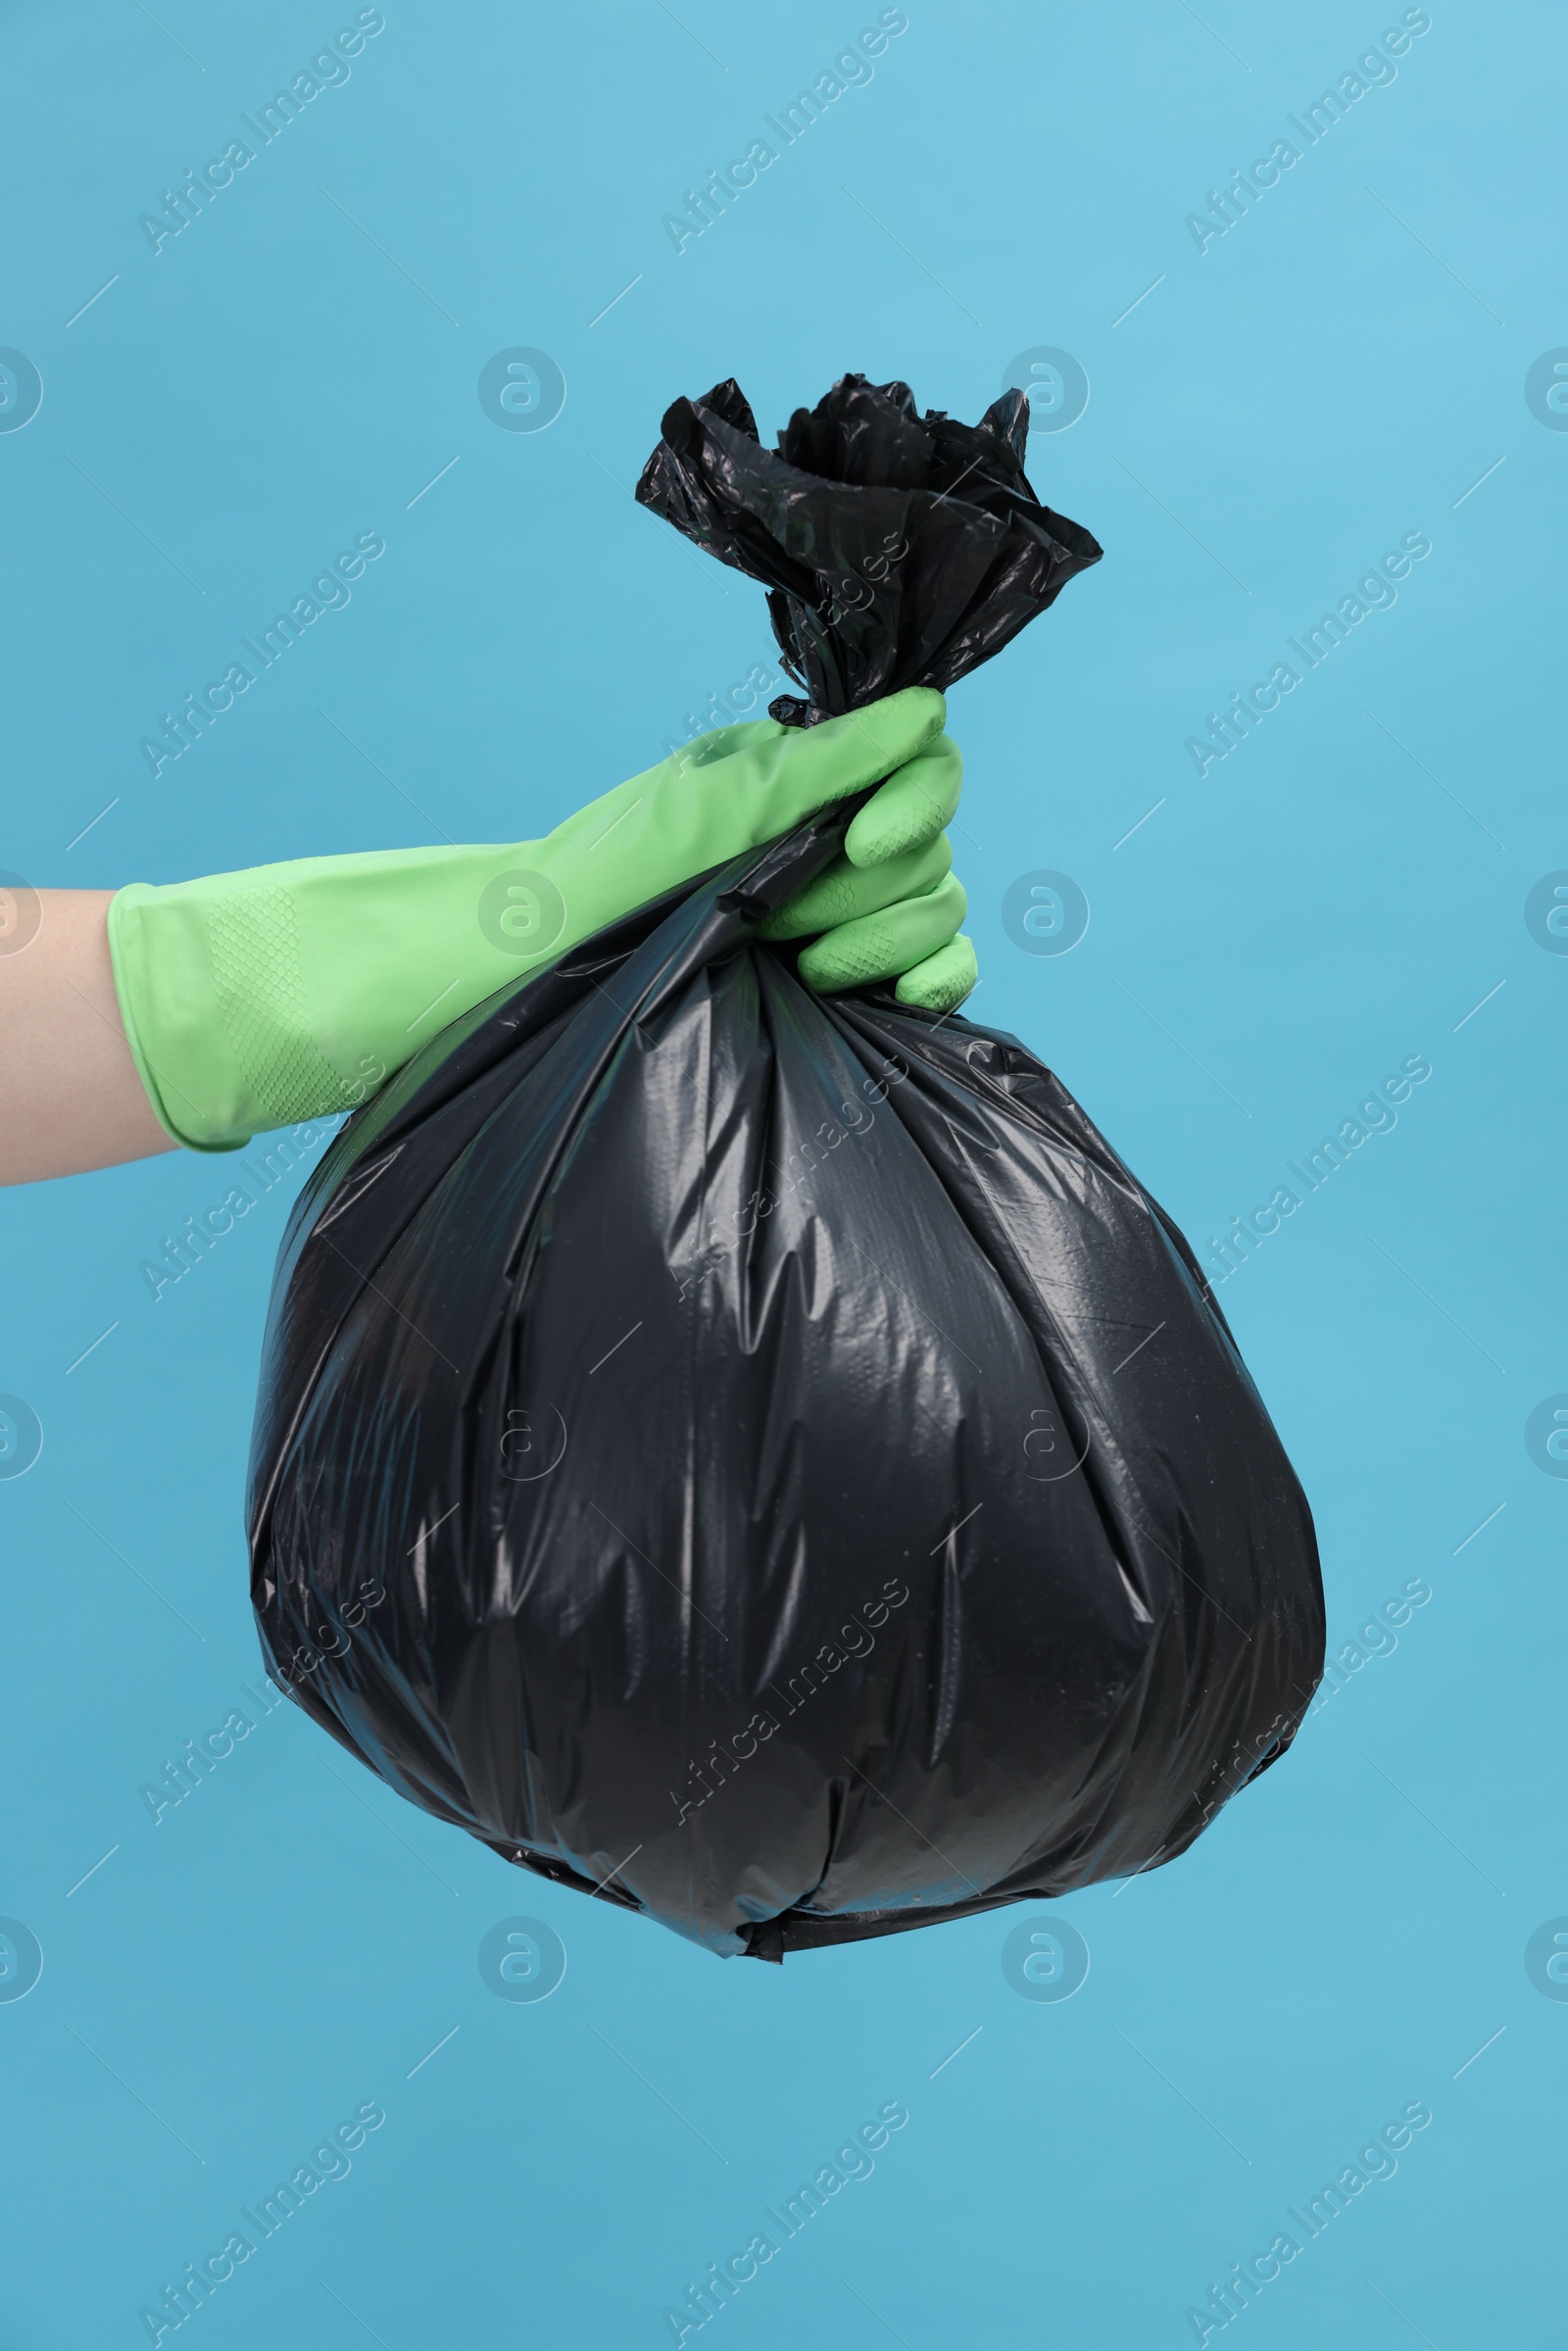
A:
(762, 1458)
(934, 562)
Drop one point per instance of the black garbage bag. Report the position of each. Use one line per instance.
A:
(897, 551)
(756, 1457)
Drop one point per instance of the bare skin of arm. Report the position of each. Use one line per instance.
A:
(70, 1095)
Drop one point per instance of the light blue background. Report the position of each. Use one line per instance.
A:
(292, 1941)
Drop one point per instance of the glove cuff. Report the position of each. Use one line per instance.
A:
(216, 1011)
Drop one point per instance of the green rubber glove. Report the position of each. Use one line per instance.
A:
(259, 998)
(890, 906)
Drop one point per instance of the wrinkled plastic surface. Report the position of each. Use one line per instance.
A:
(762, 1458)
(812, 1487)
(898, 550)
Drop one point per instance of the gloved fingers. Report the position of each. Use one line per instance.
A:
(784, 774)
(843, 893)
(942, 982)
(879, 946)
(911, 807)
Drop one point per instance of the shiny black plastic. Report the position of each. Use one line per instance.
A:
(898, 550)
(761, 1458)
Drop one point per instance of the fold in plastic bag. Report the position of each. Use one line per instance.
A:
(761, 1458)
(898, 551)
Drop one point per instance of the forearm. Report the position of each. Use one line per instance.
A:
(70, 1096)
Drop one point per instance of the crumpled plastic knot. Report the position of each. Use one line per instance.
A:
(898, 550)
